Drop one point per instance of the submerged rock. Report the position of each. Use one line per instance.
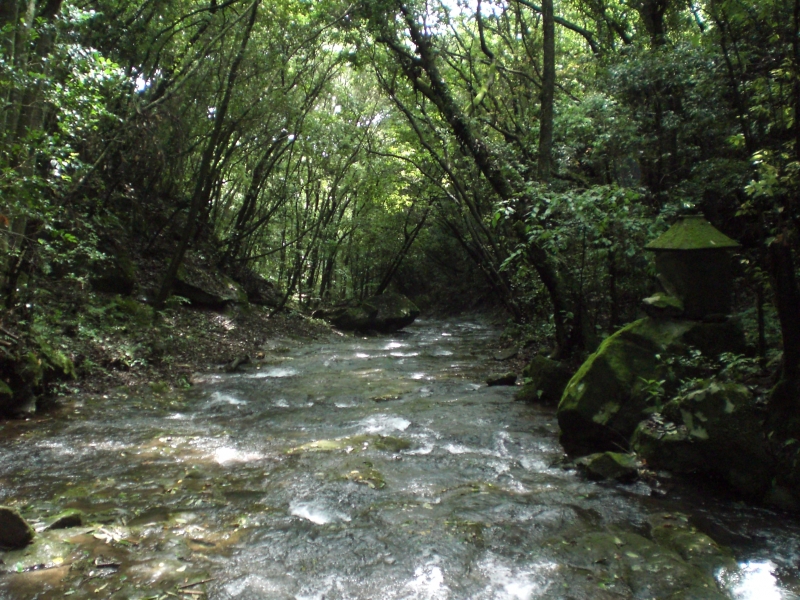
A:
(509, 378)
(355, 443)
(610, 465)
(386, 313)
(673, 531)
(609, 395)
(14, 530)
(636, 567)
(546, 380)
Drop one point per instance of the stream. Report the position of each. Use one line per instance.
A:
(355, 468)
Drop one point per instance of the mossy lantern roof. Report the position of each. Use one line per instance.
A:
(692, 232)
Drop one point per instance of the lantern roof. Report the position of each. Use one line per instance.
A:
(692, 232)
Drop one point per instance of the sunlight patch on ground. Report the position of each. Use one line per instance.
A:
(225, 322)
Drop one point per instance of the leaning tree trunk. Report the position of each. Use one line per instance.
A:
(203, 185)
(423, 73)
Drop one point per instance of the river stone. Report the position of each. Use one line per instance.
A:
(506, 354)
(673, 531)
(610, 465)
(608, 396)
(716, 430)
(636, 567)
(66, 520)
(386, 313)
(545, 381)
(509, 378)
(14, 530)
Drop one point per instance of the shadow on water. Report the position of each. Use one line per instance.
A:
(366, 468)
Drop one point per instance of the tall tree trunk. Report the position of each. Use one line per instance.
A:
(548, 92)
(784, 398)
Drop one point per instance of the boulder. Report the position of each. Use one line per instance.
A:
(65, 520)
(635, 566)
(611, 393)
(610, 465)
(385, 314)
(674, 531)
(208, 288)
(716, 430)
(509, 378)
(14, 530)
(545, 381)
(260, 291)
(506, 354)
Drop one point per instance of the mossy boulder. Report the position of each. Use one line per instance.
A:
(674, 531)
(635, 566)
(14, 530)
(27, 373)
(545, 381)
(509, 378)
(610, 394)
(208, 288)
(716, 430)
(65, 520)
(610, 465)
(385, 314)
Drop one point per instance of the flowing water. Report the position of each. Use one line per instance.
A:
(359, 468)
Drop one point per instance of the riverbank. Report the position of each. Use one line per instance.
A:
(84, 342)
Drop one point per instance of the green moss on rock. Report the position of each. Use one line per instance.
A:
(610, 394)
(610, 465)
(545, 381)
(716, 430)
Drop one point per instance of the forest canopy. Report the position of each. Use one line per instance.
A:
(497, 152)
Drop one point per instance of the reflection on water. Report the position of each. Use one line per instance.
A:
(355, 468)
(756, 581)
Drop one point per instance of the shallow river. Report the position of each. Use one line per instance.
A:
(358, 468)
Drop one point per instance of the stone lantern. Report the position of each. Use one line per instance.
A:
(693, 262)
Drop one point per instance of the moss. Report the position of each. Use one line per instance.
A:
(692, 232)
(547, 380)
(612, 391)
(610, 465)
